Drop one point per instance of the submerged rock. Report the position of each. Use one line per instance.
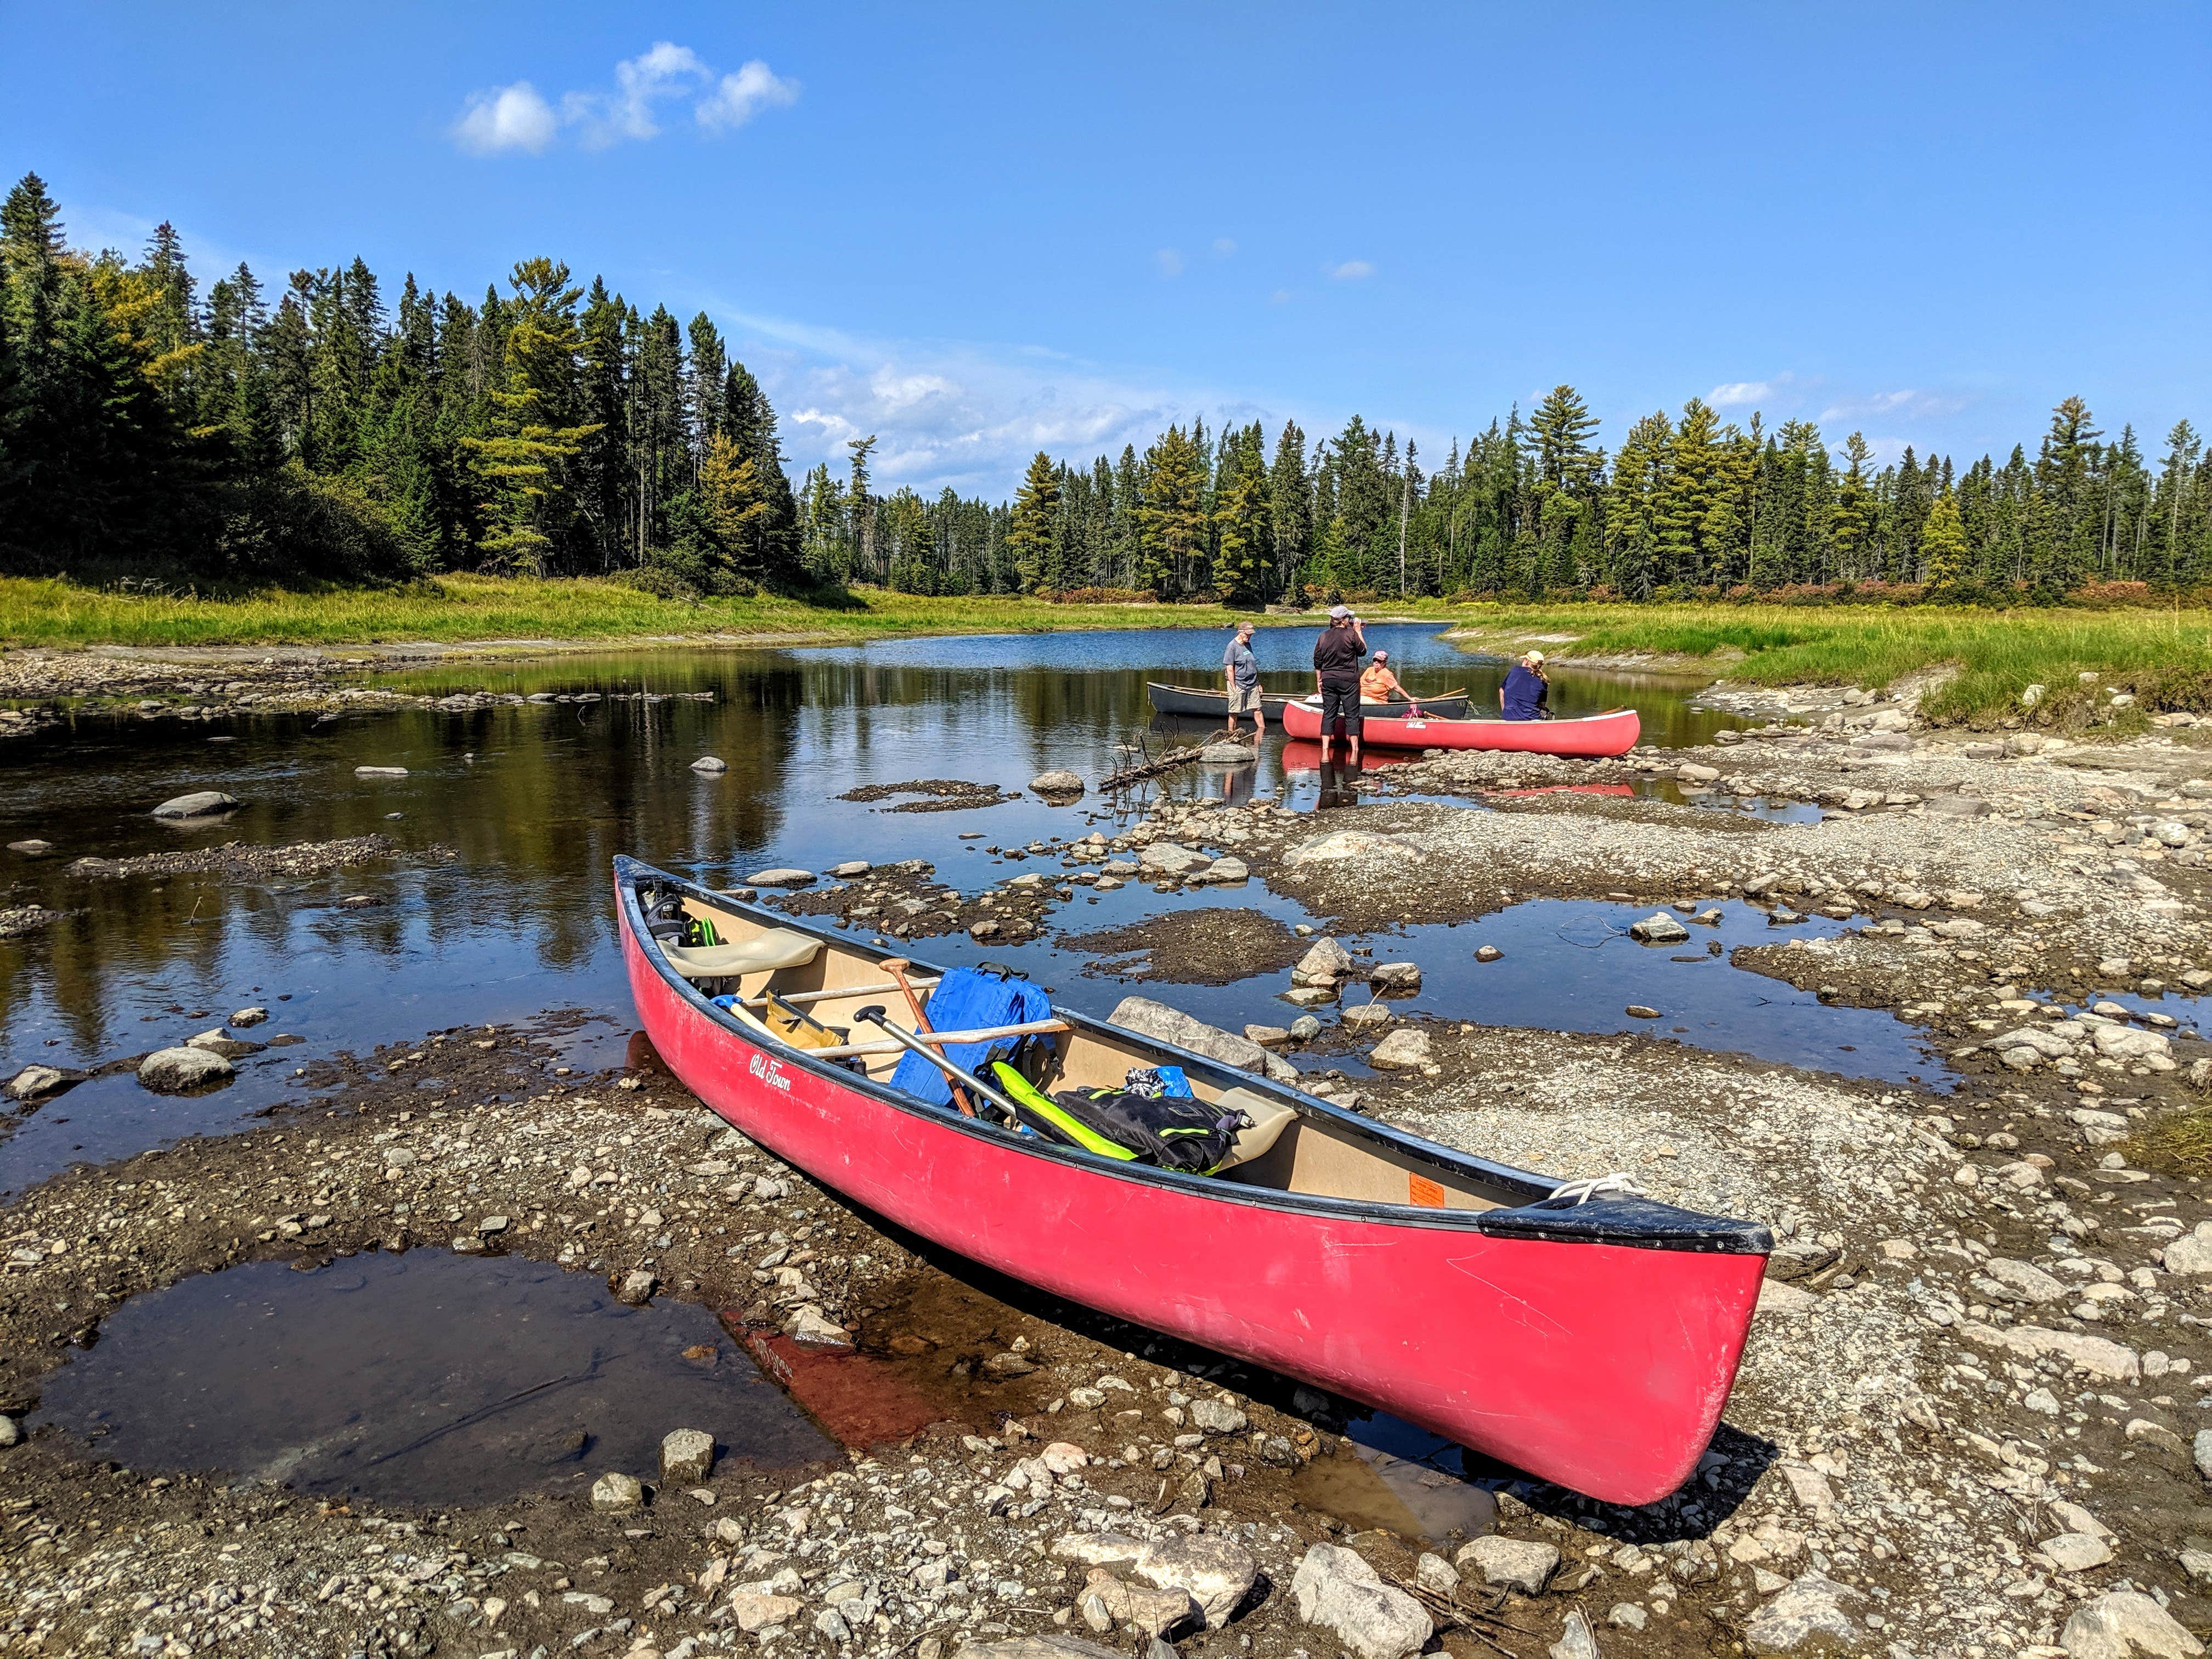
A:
(379, 771)
(707, 765)
(1658, 928)
(202, 803)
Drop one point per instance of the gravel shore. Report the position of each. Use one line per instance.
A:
(1966, 1424)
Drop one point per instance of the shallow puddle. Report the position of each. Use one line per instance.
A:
(423, 1378)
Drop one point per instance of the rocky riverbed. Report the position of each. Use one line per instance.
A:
(1966, 1425)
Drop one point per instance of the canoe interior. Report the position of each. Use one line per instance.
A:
(1315, 1155)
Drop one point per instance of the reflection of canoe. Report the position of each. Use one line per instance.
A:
(1214, 705)
(1591, 1343)
(1613, 733)
(1300, 757)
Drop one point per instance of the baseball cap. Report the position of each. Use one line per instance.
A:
(1381, 656)
(1535, 656)
(1340, 611)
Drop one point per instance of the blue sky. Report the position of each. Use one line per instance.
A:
(979, 230)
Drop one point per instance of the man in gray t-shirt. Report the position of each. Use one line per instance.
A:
(1240, 672)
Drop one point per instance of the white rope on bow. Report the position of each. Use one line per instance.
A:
(1581, 1192)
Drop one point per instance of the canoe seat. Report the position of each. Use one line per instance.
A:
(779, 947)
(1269, 1119)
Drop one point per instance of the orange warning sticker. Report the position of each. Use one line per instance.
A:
(1420, 1190)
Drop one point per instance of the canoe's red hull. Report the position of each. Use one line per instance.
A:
(1590, 738)
(1602, 1367)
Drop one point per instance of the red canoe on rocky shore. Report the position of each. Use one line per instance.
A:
(1588, 738)
(1589, 1338)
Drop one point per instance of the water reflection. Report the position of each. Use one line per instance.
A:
(492, 903)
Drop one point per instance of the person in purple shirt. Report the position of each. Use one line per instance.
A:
(1522, 697)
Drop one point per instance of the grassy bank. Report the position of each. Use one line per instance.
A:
(2164, 656)
(461, 609)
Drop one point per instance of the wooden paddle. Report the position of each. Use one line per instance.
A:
(896, 966)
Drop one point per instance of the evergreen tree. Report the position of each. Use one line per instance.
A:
(1241, 518)
(1173, 513)
(1943, 543)
(1032, 537)
(526, 462)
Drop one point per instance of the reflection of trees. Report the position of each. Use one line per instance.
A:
(557, 790)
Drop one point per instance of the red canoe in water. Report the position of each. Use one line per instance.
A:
(1613, 733)
(1589, 1338)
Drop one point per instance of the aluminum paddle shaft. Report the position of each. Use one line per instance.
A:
(873, 1015)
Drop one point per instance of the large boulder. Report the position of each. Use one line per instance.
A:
(1053, 785)
(1324, 965)
(32, 1081)
(1170, 857)
(173, 1071)
(2125, 1042)
(1335, 1589)
(780, 877)
(1515, 1564)
(2191, 1253)
(1216, 1573)
(1810, 1606)
(201, 804)
(1157, 1019)
(1351, 844)
(1406, 1049)
(687, 1456)
(2120, 1624)
(1227, 754)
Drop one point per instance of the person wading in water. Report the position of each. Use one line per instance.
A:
(1240, 671)
(1336, 676)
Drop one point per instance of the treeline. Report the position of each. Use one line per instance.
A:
(151, 432)
(1687, 505)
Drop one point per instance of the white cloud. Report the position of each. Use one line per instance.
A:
(1168, 262)
(953, 412)
(505, 118)
(1350, 271)
(519, 117)
(741, 96)
(665, 70)
(1736, 393)
(1223, 247)
(1911, 402)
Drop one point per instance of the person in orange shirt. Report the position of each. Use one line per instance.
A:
(1377, 684)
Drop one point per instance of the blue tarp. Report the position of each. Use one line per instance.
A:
(966, 1000)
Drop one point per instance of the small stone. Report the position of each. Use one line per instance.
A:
(1363, 1015)
(1435, 1575)
(1488, 953)
(810, 1327)
(1576, 1639)
(1658, 928)
(1213, 1417)
(618, 1493)
(1008, 1365)
(173, 1071)
(1626, 1615)
(1305, 1028)
(249, 1016)
(780, 877)
(2119, 1623)
(1639, 1011)
(379, 771)
(1396, 976)
(1324, 965)
(32, 849)
(1512, 1562)
(492, 1225)
(708, 765)
(755, 1612)
(11, 1432)
(687, 1456)
(851, 869)
(636, 1288)
(1268, 1036)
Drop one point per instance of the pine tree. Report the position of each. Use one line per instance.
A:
(1943, 543)
(1853, 524)
(1241, 518)
(526, 462)
(1173, 514)
(1032, 537)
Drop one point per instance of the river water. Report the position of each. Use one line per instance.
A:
(534, 801)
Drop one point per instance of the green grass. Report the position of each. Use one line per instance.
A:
(461, 609)
(2164, 656)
